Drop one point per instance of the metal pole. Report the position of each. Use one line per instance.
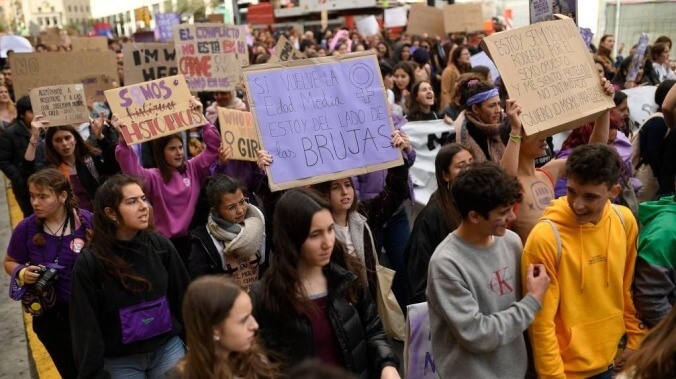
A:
(237, 18)
(618, 5)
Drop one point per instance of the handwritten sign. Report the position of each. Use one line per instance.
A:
(322, 119)
(61, 105)
(418, 359)
(32, 70)
(637, 59)
(239, 132)
(460, 18)
(154, 109)
(284, 50)
(96, 85)
(425, 20)
(148, 61)
(89, 43)
(164, 24)
(540, 10)
(210, 56)
(548, 69)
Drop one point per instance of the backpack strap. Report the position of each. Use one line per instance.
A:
(621, 216)
(557, 236)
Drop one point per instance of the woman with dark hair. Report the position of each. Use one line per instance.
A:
(620, 79)
(127, 290)
(402, 53)
(313, 300)
(221, 333)
(603, 56)
(85, 166)
(458, 64)
(40, 257)
(403, 83)
(233, 240)
(383, 52)
(437, 219)
(173, 187)
(658, 68)
(421, 104)
(479, 131)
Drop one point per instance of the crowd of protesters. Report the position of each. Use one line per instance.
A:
(170, 258)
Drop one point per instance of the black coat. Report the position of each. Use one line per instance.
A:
(13, 144)
(204, 258)
(360, 334)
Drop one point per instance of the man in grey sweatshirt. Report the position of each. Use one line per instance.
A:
(477, 314)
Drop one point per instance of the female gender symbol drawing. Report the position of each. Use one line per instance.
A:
(361, 76)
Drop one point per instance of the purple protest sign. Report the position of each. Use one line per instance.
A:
(322, 121)
(587, 36)
(637, 60)
(418, 345)
(164, 23)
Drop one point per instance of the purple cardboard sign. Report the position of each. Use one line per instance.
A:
(322, 121)
(418, 345)
(637, 60)
(164, 23)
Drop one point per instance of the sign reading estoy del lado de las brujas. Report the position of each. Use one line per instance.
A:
(211, 56)
(154, 109)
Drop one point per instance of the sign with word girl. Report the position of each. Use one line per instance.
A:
(154, 109)
(322, 119)
(61, 105)
(238, 131)
(211, 56)
(548, 69)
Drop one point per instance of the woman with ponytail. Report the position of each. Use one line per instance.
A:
(127, 291)
(221, 333)
(40, 257)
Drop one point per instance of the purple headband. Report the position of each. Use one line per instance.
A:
(481, 97)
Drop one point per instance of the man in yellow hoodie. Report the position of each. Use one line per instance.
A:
(588, 247)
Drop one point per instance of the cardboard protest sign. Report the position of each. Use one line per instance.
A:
(284, 50)
(164, 24)
(238, 131)
(322, 118)
(459, 18)
(641, 103)
(545, 10)
(32, 70)
(61, 105)
(51, 37)
(148, 61)
(637, 59)
(587, 36)
(211, 56)
(89, 43)
(425, 20)
(368, 26)
(395, 17)
(154, 109)
(418, 359)
(96, 85)
(548, 69)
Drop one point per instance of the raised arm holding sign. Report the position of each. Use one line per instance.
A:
(322, 118)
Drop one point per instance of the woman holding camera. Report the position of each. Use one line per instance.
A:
(40, 259)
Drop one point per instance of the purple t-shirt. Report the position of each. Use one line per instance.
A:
(22, 249)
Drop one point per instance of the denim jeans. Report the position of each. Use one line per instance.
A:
(153, 365)
(604, 375)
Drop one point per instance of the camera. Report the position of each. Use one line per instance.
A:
(48, 276)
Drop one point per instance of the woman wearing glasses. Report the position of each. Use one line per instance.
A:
(232, 241)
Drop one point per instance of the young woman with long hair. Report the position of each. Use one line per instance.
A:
(173, 188)
(221, 333)
(439, 218)
(46, 243)
(421, 105)
(479, 131)
(127, 291)
(84, 166)
(458, 64)
(403, 83)
(313, 300)
(7, 108)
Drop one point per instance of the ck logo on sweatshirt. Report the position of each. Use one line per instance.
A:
(499, 282)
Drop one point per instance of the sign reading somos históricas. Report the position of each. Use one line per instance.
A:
(322, 119)
(154, 109)
(548, 69)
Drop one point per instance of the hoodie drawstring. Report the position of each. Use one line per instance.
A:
(582, 265)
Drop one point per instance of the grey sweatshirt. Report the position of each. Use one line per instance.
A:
(477, 314)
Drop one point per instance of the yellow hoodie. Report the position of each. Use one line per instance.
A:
(588, 306)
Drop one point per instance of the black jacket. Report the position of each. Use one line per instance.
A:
(428, 231)
(204, 258)
(96, 300)
(13, 144)
(360, 334)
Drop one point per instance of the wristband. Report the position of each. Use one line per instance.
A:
(515, 137)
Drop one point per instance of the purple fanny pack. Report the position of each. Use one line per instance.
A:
(145, 320)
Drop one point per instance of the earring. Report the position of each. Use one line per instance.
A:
(217, 338)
